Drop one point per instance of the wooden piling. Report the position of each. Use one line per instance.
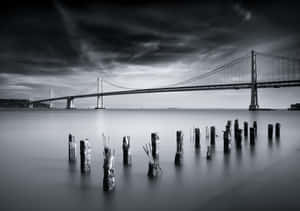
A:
(226, 141)
(85, 156)
(252, 136)
(153, 155)
(255, 128)
(127, 157)
(229, 124)
(208, 153)
(109, 181)
(206, 132)
(72, 148)
(155, 146)
(228, 127)
(153, 170)
(270, 131)
(277, 130)
(212, 135)
(236, 127)
(197, 137)
(246, 129)
(238, 138)
(179, 148)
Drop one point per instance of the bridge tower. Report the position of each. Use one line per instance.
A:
(30, 105)
(254, 101)
(99, 98)
(70, 103)
(51, 96)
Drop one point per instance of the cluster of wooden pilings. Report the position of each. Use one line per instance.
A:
(152, 152)
(152, 149)
(270, 131)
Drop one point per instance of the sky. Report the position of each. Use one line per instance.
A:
(65, 46)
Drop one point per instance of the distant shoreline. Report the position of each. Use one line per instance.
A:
(142, 109)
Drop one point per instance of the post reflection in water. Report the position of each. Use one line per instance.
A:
(226, 160)
(85, 182)
(239, 156)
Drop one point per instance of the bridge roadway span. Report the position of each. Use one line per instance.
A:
(269, 84)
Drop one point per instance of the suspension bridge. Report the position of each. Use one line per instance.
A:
(253, 71)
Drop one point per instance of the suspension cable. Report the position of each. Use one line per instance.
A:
(201, 76)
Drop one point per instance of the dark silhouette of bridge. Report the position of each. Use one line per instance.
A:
(257, 70)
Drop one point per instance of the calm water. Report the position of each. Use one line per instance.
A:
(36, 175)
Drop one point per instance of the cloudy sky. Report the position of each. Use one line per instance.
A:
(66, 46)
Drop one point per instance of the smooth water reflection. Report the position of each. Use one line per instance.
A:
(36, 175)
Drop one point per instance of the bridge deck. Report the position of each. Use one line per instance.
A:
(269, 84)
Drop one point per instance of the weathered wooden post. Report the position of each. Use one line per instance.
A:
(206, 132)
(208, 153)
(238, 138)
(179, 148)
(109, 181)
(277, 130)
(155, 146)
(246, 129)
(229, 122)
(197, 137)
(127, 157)
(153, 155)
(72, 148)
(255, 128)
(252, 136)
(270, 131)
(236, 127)
(85, 156)
(226, 139)
(228, 127)
(212, 135)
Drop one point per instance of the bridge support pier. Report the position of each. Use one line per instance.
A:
(99, 103)
(254, 101)
(70, 103)
(51, 96)
(99, 98)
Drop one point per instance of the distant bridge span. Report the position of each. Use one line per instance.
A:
(284, 72)
(272, 84)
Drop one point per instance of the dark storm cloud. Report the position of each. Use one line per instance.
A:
(164, 33)
(48, 39)
(150, 35)
(90, 38)
(32, 40)
(3, 80)
(54, 38)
